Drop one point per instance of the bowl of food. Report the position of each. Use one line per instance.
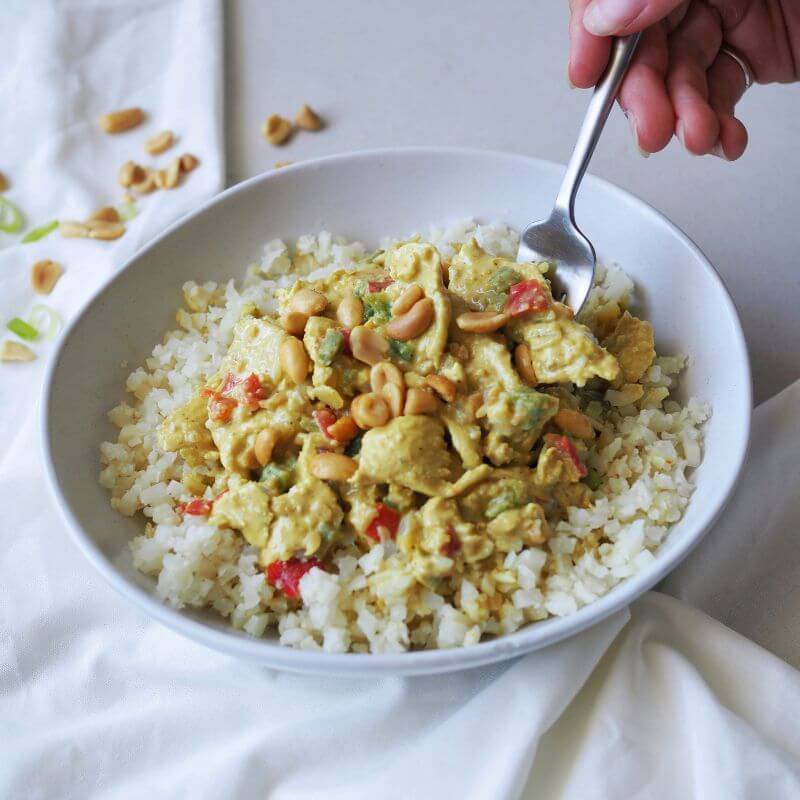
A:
(327, 423)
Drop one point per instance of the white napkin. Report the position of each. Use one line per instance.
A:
(98, 701)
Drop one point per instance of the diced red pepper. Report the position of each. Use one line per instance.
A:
(565, 446)
(286, 575)
(527, 296)
(378, 286)
(254, 392)
(386, 517)
(324, 417)
(220, 409)
(453, 544)
(230, 382)
(346, 342)
(196, 508)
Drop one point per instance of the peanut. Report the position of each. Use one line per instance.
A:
(481, 321)
(524, 365)
(395, 397)
(105, 230)
(385, 372)
(407, 300)
(350, 311)
(122, 120)
(413, 323)
(308, 119)
(264, 445)
(45, 275)
(276, 129)
(15, 351)
(159, 143)
(73, 230)
(105, 214)
(332, 467)
(443, 386)
(370, 411)
(575, 423)
(189, 162)
(368, 345)
(343, 430)
(420, 401)
(294, 322)
(294, 359)
(148, 182)
(130, 173)
(308, 302)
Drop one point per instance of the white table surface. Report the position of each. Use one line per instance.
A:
(493, 75)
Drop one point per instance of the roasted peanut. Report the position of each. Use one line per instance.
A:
(264, 445)
(413, 323)
(370, 410)
(524, 365)
(308, 302)
(73, 230)
(407, 299)
(276, 129)
(45, 275)
(294, 322)
(15, 351)
(420, 401)
(343, 430)
(148, 182)
(105, 214)
(385, 372)
(159, 143)
(130, 173)
(308, 119)
(279, 164)
(368, 345)
(443, 386)
(105, 230)
(395, 397)
(294, 359)
(122, 120)
(189, 162)
(170, 175)
(350, 311)
(332, 467)
(481, 321)
(574, 423)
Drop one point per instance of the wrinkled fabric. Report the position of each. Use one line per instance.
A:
(98, 701)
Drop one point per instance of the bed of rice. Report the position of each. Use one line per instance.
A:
(645, 491)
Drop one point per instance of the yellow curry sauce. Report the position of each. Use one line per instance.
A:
(442, 406)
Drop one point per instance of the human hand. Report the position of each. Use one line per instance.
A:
(680, 81)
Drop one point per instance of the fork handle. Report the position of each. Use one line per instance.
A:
(600, 105)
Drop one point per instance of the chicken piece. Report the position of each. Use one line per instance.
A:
(409, 451)
(633, 345)
(254, 349)
(184, 431)
(516, 528)
(245, 507)
(324, 343)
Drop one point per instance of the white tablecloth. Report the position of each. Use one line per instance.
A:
(97, 701)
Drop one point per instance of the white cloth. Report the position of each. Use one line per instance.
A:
(98, 701)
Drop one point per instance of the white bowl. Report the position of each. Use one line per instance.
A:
(367, 196)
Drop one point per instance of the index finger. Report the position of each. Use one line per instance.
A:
(588, 54)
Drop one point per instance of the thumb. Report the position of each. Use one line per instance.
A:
(618, 17)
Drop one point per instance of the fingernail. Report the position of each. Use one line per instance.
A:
(632, 122)
(680, 132)
(717, 151)
(604, 17)
(569, 80)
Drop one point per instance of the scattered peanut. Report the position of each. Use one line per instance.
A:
(308, 302)
(189, 162)
(168, 178)
(308, 119)
(384, 373)
(45, 275)
(264, 445)
(105, 214)
(294, 322)
(122, 120)
(395, 397)
(481, 321)
(443, 386)
(147, 183)
(420, 401)
(15, 351)
(105, 230)
(575, 423)
(130, 173)
(370, 410)
(413, 323)
(3, 182)
(279, 164)
(407, 300)
(332, 467)
(350, 311)
(294, 359)
(524, 365)
(159, 143)
(343, 430)
(368, 345)
(73, 230)
(276, 129)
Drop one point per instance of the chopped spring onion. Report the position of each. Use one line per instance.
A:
(23, 329)
(45, 320)
(594, 479)
(10, 216)
(127, 211)
(401, 350)
(39, 233)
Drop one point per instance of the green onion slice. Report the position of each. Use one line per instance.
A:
(22, 329)
(10, 216)
(127, 211)
(45, 320)
(39, 233)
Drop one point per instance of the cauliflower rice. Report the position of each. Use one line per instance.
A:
(645, 490)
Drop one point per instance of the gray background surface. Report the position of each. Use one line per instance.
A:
(493, 75)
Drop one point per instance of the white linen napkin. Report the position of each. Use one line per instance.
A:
(98, 701)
